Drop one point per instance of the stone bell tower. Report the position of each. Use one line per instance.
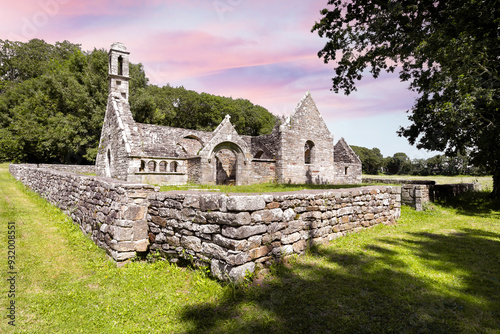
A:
(118, 71)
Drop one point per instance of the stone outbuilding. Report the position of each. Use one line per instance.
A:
(299, 150)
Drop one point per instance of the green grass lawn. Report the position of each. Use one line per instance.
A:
(436, 271)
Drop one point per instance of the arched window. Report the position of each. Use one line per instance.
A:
(151, 166)
(309, 152)
(143, 166)
(120, 65)
(173, 167)
(109, 158)
(162, 167)
(346, 170)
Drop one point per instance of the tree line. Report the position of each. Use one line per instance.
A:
(53, 100)
(373, 162)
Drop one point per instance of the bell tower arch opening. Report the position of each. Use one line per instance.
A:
(119, 71)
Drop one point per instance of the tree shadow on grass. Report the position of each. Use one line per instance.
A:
(478, 203)
(392, 287)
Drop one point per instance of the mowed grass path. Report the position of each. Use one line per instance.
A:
(436, 271)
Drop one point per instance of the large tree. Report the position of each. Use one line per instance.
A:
(448, 51)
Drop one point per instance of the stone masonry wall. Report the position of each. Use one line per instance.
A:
(416, 193)
(111, 212)
(234, 234)
(231, 233)
(79, 169)
(347, 173)
(263, 170)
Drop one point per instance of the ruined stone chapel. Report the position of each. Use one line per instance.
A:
(299, 150)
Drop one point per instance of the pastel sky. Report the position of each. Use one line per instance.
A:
(260, 50)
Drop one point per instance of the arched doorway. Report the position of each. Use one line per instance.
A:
(227, 158)
(225, 167)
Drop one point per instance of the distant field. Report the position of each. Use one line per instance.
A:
(486, 181)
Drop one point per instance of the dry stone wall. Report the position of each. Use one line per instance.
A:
(111, 212)
(416, 193)
(232, 233)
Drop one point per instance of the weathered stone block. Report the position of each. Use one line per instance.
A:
(134, 212)
(209, 229)
(170, 213)
(299, 246)
(243, 231)
(291, 238)
(237, 258)
(228, 218)
(259, 251)
(213, 251)
(159, 221)
(267, 215)
(121, 233)
(237, 245)
(140, 230)
(209, 203)
(273, 205)
(141, 245)
(191, 242)
(245, 203)
(237, 274)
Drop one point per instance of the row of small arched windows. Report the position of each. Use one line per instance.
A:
(162, 167)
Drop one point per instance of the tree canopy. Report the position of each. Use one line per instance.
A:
(447, 50)
(53, 100)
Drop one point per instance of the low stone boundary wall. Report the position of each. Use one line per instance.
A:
(78, 169)
(112, 212)
(416, 193)
(235, 233)
(232, 233)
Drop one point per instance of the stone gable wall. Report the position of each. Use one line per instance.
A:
(113, 139)
(305, 125)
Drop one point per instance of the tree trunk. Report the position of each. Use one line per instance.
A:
(496, 183)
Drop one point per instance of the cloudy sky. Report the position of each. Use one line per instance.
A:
(260, 50)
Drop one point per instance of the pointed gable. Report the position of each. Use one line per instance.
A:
(344, 153)
(307, 115)
(225, 132)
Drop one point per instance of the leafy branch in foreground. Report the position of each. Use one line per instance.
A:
(448, 51)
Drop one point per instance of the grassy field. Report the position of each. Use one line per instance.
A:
(436, 271)
(486, 183)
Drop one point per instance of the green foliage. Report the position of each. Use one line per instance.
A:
(371, 160)
(182, 108)
(53, 100)
(446, 49)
